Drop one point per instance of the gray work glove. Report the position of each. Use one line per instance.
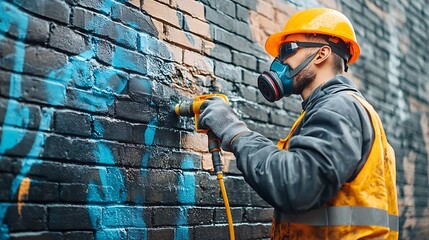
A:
(220, 118)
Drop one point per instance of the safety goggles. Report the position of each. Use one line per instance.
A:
(288, 49)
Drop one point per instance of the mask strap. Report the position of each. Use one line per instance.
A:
(294, 72)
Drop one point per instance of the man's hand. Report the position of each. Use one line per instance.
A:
(221, 119)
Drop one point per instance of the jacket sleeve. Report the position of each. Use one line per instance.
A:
(318, 162)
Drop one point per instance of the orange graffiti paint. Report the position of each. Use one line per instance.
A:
(24, 187)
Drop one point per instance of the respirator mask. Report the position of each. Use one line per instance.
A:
(278, 81)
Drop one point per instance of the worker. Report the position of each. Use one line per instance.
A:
(334, 175)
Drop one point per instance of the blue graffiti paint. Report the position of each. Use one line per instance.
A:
(113, 185)
(149, 137)
(186, 196)
(11, 19)
(14, 113)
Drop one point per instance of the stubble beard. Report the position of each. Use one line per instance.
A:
(303, 79)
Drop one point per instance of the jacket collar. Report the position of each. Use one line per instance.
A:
(336, 84)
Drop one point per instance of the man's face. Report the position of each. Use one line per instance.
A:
(306, 75)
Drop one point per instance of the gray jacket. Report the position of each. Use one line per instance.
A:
(327, 149)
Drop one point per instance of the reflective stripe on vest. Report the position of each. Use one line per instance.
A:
(343, 215)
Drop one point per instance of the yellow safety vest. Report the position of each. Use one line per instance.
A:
(365, 208)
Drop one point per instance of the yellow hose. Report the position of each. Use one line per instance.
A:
(227, 208)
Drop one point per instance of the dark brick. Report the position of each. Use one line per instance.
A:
(207, 190)
(242, 13)
(134, 19)
(131, 155)
(41, 192)
(248, 4)
(86, 20)
(8, 54)
(141, 89)
(102, 6)
(42, 61)
(154, 233)
(78, 235)
(238, 191)
(9, 165)
(253, 111)
(162, 137)
(243, 29)
(70, 148)
(104, 27)
(167, 159)
(104, 51)
(248, 93)
(31, 218)
(239, 43)
(128, 60)
(220, 19)
(158, 180)
(65, 173)
(150, 45)
(37, 30)
(263, 65)
(211, 232)
(259, 231)
(258, 214)
(134, 111)
(74, 217)
(74, 123)
(165, 216)
(222, 53)
(226, 7)
(112, 129)
(74, 192)
(5, 80)
(220, 215)
(42, 91)
(282, 118)
(53, 9)
(199, 216)
(227, 71)
(244, 60)
(6, 182)
(67, 40)
(36, 236)
(123, 35)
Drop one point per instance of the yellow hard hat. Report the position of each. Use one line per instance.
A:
(318, 21)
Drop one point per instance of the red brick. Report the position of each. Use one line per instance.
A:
(135, 3)
(176, 52)
(195, 141)
(265, 9)
(179, 37)
(194, 8)
(203, 64)
(162, 12)
(197, 26)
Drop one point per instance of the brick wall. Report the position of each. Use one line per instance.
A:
(91, 149)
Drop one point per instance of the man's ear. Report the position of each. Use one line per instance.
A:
(323, 53)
